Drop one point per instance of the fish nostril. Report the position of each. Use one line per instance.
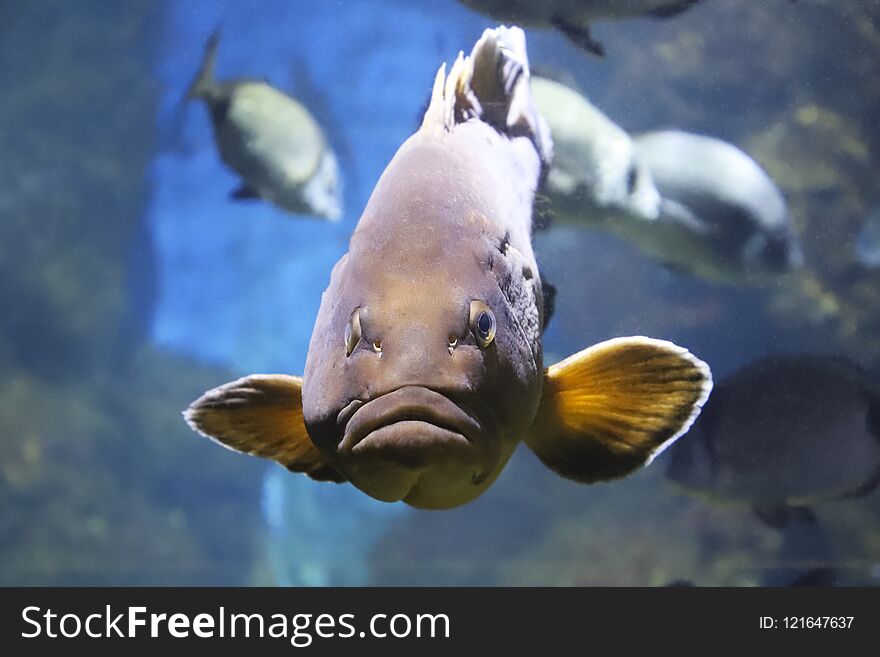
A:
(451, 343)
(377, 346)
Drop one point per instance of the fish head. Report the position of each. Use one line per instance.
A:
(420, 377)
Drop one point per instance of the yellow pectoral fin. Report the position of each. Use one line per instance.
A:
(610, 409)
(261, 415)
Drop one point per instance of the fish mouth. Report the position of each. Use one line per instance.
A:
(404, 423)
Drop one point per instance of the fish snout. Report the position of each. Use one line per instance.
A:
(412, 425)
(421, 357)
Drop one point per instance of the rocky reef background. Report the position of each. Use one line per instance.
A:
(104, 269)
(101, 482)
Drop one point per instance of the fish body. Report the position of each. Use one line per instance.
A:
(425, 367)
(449, 222)
(785, 432)
(694, 203)
(713, 189)
(271, 141)
(574, 17)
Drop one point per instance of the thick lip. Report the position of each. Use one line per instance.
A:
(410, 416)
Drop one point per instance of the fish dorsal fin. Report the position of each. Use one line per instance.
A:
(436, 115)
(580, 35)
(492, 85)
(203, 85)
(261, 415)
(613, 407)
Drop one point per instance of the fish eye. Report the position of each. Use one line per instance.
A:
(482, 323)
(631, 179)
(353, 332)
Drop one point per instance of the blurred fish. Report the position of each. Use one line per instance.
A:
(573, 17)
(595, 176)
(271, 141)
(425, 367)
(868, 241)
(785, 433)
(725, 201)
(693, 203)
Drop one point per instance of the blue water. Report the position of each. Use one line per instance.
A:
(211, 289)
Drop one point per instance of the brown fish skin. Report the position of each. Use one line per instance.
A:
(448, 224)
(425, 367)
(424, 249)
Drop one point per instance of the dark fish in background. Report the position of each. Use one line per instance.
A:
(425, 367)
(783, 434)
(271, 141)
(733, 215)
(573, 17)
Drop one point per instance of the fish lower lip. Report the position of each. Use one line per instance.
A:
(411, 416)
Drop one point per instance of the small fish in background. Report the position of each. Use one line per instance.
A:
(783, 434)
(425, 368)
(573, 17)
(271, 141)
(716, 191)
(694, 204)
(867, 244)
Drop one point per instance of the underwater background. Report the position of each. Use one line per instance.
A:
(131, 283)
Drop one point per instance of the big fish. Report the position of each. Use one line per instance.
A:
(573, 17)
(425, 370)
(271, 141)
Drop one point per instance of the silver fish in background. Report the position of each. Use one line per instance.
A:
(271, 141)
(425, 367)
(573, 17)
(595, 177)
(783, 434)
(717, 193)
(693, 203)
